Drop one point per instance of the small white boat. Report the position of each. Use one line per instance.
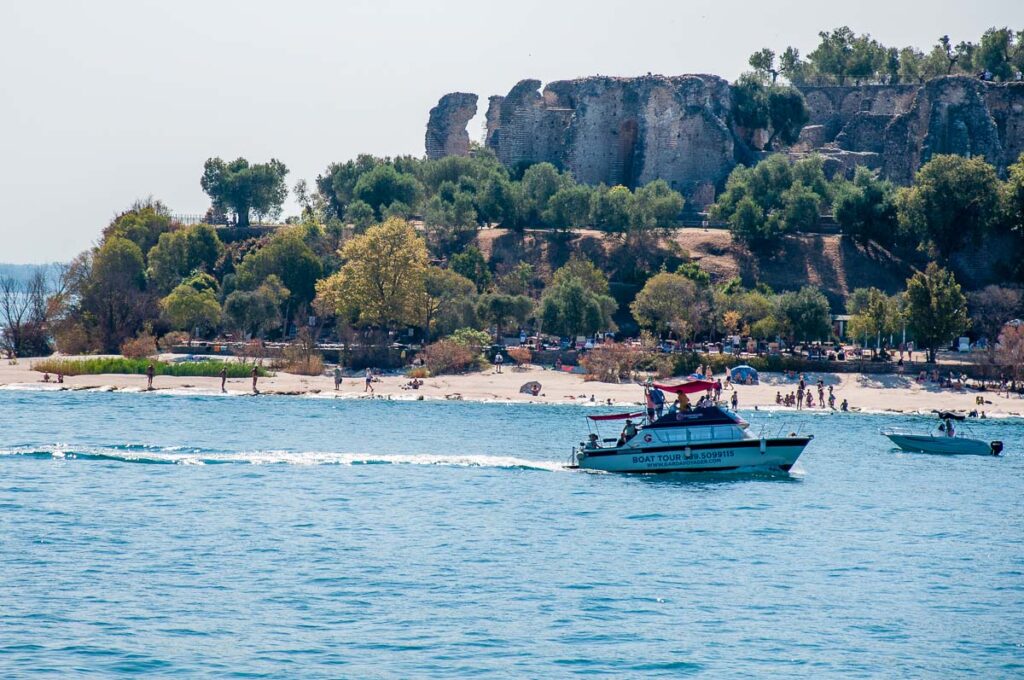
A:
(947, 439)
(708, 439)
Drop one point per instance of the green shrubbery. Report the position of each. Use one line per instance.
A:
(121, 365)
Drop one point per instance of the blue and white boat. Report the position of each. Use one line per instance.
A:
(708, 439)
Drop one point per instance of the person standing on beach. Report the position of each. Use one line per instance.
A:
(150, 372)
(369, 381)
(223, 379)
(337, 378)
(498, 361)
(735, 400)
(255, 374)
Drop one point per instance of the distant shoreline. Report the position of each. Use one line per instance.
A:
(866, 393)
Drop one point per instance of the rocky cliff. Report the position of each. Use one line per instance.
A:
(446, 127)
(633, 130)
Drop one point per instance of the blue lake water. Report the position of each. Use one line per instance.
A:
(329, 538)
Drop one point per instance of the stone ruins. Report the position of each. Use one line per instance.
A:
(680, 128)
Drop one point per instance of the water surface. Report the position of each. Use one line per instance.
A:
(287, 537)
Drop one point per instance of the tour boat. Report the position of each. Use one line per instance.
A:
(946, 439)
(707, 439)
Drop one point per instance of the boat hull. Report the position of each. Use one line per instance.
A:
(947, 446)
(772, 454)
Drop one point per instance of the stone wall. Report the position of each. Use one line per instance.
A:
(446, 127)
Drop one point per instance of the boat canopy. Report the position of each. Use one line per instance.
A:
(688, 387)
(617, 416)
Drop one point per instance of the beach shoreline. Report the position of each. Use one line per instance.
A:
(866, 393)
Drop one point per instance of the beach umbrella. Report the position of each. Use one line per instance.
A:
(532, 387)
(742, 372)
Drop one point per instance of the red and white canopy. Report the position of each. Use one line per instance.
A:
(688, 387)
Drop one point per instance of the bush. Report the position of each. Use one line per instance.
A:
(420, 372)
(173, 339)
(140, 347)
(122, 365)
(612, 362)
(448, 356)
(301, 357)
(71, 338)
(521, 355)
(470, 338)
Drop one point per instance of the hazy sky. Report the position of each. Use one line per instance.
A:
(103, 102)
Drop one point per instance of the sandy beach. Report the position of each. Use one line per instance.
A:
(865, 393)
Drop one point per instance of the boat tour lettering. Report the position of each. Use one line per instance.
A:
(666, 458)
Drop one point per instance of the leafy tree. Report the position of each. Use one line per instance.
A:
(179, 253)
(360, 215)
(833, 55)
(288, 257)
(873, 315)
(787, 115)
(446, 295)
(585, 271)
(189, 309)
(1010, 349)
(610, 209)
(540, 182)
(952, 203)
(763, 63)
(655, 205)
(748, 224)
(142, 224)
(992, 306)
(994, 52)
(384, 185)
(496, 200)
(805, 315)
(936, 308)
(382, 280)
(571, 308)
(499, 309)
(568, 207)
(337, 185)
(245, 189)
(470, 338)
(114, 292)
(750, 102)
(866, 208)
(911, 68)
(255, 312)
(471, 264)
(669, 303)
(793, 67)
(692, 271)
(802, 207)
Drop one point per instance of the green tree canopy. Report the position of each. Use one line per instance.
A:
(669, 304)
(805, 315)
(384, 185)
(142, 224)
(114, 294)
(471, 264)
(449, 300)
(255, 312)
(288, 257)
(179, 253)
(866, 208)
(245, 189)
(189, 309)
(499, 310)
(936, 308)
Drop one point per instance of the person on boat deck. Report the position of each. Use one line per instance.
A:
(950, 430)
(628, 432)
(592, 442)
(658, 397)
(683, 402)
(649, 399)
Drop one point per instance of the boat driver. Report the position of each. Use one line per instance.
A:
(592, 442)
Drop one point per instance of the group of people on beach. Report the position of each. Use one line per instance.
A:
(803, 397)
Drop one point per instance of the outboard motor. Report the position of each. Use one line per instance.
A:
(997, 448)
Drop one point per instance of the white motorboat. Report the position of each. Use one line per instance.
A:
(708, 439)
(946, 439)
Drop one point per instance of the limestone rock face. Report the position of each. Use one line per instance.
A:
(626, 131)
(949, 116)
(446, 127)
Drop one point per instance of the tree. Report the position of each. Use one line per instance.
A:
(801, 208)
(142, 224)
(655, 205)
(873, 315)
(381, 282)
(384, 185)
(360, 215)
(936, 308)
(669, 303)
(114, 292)
(255, 312)
(763, 62)
(471, 264)
(571, 308)
(993, 54)
(585, 271)
(245, 189)
(992, 306)
(610, 208)
(23, 315)
(189, 309)
(179, 253)
(866, 208)
(747, 224)
(787, 115)
(805, 315)
(793, 67)
(499, 309)
(445, 292)
(540, 182)
(568, 207)
(832, 57)
(1010, 349)
(952, 203)
(287, 256)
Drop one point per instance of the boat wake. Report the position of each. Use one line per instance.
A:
(144, 454)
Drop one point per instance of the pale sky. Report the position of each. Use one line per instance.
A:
(106, 101)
